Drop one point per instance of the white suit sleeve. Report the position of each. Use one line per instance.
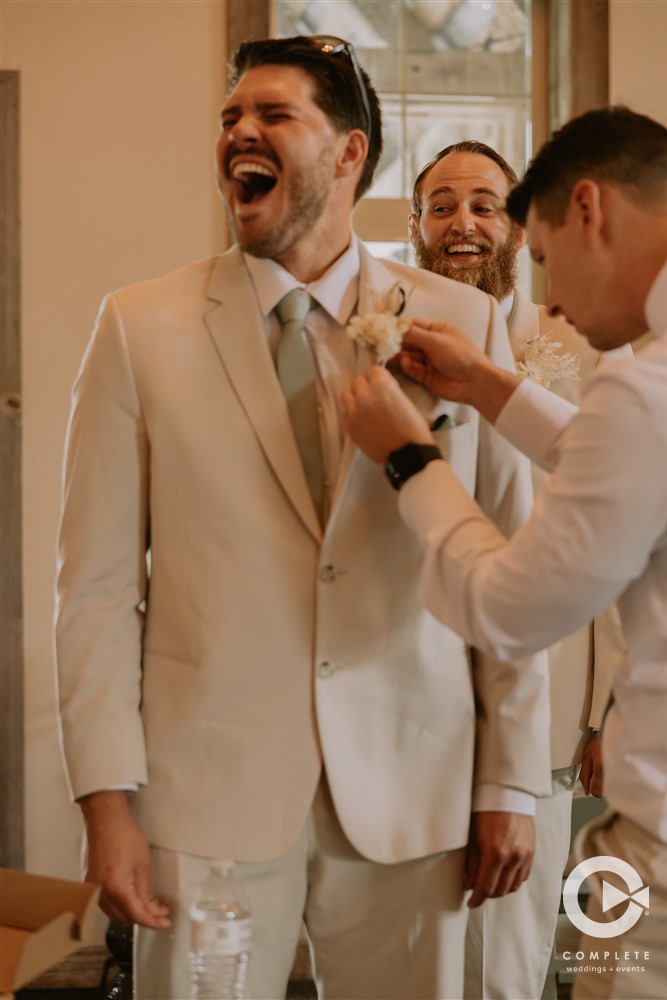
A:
(591, 532)
(102, 568)
(533, 419)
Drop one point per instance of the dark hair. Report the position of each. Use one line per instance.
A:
(466, 146)
(608, 144)
(337, 91)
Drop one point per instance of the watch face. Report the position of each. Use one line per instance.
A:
(408, 460)
(392, 474)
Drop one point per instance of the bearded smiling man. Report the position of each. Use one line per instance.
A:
(459, 228)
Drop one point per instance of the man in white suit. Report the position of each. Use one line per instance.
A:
(596, 216)
(277, 694)
(459, 228)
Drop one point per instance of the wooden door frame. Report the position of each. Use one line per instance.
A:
(12, 779)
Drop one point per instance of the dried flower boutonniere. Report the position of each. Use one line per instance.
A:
(383, 329)
(541, 362)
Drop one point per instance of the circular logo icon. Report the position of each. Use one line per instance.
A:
(637, 896)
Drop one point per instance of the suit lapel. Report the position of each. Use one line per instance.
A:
(522, 322)
(375, 280)
(236, 327)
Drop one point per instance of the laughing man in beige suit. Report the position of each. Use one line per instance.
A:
(277, 694)
(459, 229)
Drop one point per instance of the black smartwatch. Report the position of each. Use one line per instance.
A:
(408, 460)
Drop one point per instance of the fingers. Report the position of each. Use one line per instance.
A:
(413, 365)
(379, 417)
(586, 775)
(500, 855)
(147, 902)
(129, 908)
(119, 862)
(498, 877)
(471, 868)
(596, 786)
(362, 387)
(113, 911)
(127, 896)
(424, 335)
(592, 771)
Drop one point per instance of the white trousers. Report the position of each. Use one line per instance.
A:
(509, 940)
(632, 965)
(387, 932)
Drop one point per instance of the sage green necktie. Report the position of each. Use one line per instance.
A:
(297, 374)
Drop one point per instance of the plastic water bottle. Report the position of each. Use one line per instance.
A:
(221, 928)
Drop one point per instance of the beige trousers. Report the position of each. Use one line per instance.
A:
(388, 932)
(632, 965)
(509, 940)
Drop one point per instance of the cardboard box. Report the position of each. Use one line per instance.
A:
(42, 920)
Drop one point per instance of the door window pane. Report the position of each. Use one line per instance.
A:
(445, 70)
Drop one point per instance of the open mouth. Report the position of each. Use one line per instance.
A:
(465, 250)
(252, 181)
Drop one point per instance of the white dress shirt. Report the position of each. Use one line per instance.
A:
(335, 295)
(598, 534)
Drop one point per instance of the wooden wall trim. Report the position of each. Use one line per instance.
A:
(12, 781)
(578, 58)
(246, 19)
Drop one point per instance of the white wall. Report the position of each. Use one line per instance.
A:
(637, 56)
(119, 104)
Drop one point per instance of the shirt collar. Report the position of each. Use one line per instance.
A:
(655, 308)
(507, 305)
(337, 290)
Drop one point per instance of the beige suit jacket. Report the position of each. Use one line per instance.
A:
(581, 665)
(252, 649)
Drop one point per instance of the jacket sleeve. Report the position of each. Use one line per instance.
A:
(102, 568)
(590, 534)
(609, 653)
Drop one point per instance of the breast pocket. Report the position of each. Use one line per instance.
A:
(454, 427)
(458, 444)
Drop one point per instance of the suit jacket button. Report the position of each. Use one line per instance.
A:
(325, 669)
(327, 574)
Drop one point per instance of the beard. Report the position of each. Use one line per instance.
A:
(306, 198)
(497, 274)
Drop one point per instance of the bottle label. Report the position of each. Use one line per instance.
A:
(218, 937)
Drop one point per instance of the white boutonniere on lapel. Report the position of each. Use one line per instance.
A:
(382, 330)
(541, 362)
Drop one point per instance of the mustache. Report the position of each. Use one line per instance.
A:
(256, 149)
(479, 241)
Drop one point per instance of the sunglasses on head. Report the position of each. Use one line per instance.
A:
(333, 46)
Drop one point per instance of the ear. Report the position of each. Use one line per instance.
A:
(413, 226)
(520, 236)
(586, 207)
(352, 153)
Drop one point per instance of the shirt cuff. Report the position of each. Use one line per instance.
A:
(124, 786)
(532, 419)
(488, 797)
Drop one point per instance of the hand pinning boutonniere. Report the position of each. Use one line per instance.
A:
(383, 329)
(541, 362)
